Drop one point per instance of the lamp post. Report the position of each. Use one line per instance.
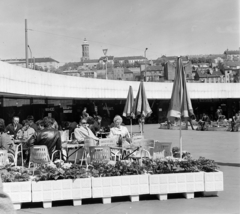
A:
(31, 55)
(145, 73)
(105, 54)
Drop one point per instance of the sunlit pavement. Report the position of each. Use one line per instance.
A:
(223, 147)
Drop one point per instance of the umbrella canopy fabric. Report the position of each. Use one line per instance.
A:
(141, 106)
(129, 103)
(180, 104)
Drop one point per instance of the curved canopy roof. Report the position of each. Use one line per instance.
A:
(18, 81)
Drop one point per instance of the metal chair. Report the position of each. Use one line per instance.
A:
(18, 150)
(39, 155)
(85, 156)
(112, 143)
(3, 157)
(162, 149)
(64, 135)
(99, 153)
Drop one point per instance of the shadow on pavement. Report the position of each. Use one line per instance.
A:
(229, 164)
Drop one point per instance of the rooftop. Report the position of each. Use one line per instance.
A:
(37, 60)
(154, 68)
(90, 61)
(129, 58)
(227, 52)
(208, 74)
(232, 63)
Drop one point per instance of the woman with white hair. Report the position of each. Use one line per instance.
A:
(119, 130)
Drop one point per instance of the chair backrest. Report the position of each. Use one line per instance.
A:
(39, 155)
(3, 157)
(64, 135)
(146, 147)
(144, 143)
(137, 137)
(99, 153)
(162, 149)
(109, 141)
(72, 136)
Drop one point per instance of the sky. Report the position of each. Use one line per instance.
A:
(57, 28)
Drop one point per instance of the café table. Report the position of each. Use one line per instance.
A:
(68, 145)
(126, 148)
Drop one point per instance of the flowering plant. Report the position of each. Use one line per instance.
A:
(119, 168)
(60, 170)
(15, 174)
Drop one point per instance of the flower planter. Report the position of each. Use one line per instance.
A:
(19, 192)
(186, 183)
(132, 185)
(68, 189)
(213, 182)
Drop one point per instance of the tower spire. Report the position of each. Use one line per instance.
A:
(85, 50)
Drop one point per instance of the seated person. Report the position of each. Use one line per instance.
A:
(95, 125)
(13, 127)
(26, 132)
(84, 132)
(49, 136)
(204, 121)
(6, 142)
(40, 125)
(119, 130)
(33, 125)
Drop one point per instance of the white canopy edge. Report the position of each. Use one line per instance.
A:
(22, 81)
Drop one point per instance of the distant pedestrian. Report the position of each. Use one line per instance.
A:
(141, 122)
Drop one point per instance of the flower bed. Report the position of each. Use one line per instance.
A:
(119, 179)
(67, 189)
(106, 179)
(61, 181)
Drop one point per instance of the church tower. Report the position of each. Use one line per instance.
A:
(85, 50)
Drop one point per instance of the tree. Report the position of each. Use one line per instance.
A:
(220, 66)
(117, 64)
(194, 60)
(136, 64)
(126, 64)
(209, 60)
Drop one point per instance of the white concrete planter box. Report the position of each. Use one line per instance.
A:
(213, 182)
(186, 183)
(132, 185)
(68, 189)
(19, 192)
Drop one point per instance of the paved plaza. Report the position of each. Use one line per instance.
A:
(223, 147)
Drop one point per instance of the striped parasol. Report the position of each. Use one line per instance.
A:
(127, 112)
(141, 106)
(180, 104)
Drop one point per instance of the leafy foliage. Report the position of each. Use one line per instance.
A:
(119, 168)
(15, 174)
(60, 170)
(206, 165)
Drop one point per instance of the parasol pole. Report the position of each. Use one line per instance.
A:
(131, 125)
(180, 139)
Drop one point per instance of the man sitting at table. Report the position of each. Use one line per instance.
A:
(13, 127)
(84, 132)
(49, 136)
